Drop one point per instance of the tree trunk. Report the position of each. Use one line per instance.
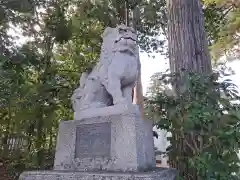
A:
(30, 132)
(188, 49)
(188, 52)
(39, 138)
(8, 131)
(50, 146)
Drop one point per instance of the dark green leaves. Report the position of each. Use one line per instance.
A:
(22, 6)
(58, 25)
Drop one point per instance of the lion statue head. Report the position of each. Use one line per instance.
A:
(121, 39)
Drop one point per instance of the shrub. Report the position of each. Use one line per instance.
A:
(204, 121)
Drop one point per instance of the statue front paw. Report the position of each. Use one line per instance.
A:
(123, 101)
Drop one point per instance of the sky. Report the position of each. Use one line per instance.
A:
(150, 66)
(160, 64)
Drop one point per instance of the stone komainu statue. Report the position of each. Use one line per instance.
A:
(112, 79)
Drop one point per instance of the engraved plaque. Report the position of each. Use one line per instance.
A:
(93, 140)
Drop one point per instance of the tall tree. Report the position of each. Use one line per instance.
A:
(188, 52)
(188, 47)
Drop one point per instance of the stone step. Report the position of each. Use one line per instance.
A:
(157, 174)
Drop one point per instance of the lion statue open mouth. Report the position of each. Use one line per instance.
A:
(126, 40)
(112, 79)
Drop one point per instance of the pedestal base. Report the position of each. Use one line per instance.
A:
(122, 142)
(157, 174)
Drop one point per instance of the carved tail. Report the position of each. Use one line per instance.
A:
(77, 94)
(83, 79)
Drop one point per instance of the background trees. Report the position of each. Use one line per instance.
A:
(224, 27)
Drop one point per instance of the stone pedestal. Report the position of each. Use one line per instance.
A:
(121, 142)
(158, 174)
(106, 147)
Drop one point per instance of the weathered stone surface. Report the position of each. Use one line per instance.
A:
(119, 109)
(131, 144)
(112, 79)
(158, 174)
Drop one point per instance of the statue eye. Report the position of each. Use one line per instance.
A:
(122, 30)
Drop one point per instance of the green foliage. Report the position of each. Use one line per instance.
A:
(34, 93)
(151, 17)
(64, 38)
(206, 121)
(214, 20)
(16, 165)
(58, 25)
(223, 24)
